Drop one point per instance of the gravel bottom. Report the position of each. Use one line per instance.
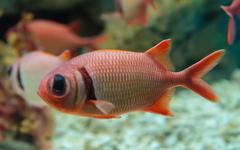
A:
(197, 125)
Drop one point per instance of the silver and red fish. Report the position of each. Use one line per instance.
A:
(50, 36)
(232, 11)
(109, 83)
(26, 73)
(134, 11)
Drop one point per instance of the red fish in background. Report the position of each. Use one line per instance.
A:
(108, 83)
(232, 11)
(134, 11)
(49, 36)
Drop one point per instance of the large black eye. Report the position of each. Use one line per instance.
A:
(59, 85)
(9, 71)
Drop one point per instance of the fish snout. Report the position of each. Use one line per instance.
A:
(42, 90)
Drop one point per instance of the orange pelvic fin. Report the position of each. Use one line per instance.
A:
(66, 55)
(192, 75)
(104, 106)
(161, 106)
(160, 53)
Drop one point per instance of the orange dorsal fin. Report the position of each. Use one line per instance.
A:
(66, 55)
(160, 53)
(161, 106)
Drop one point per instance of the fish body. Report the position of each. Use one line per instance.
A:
(26, 73)
(52, 37)
(134, 11)
(108, 83)
(232, 11)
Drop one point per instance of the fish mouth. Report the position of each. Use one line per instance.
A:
(41, 94)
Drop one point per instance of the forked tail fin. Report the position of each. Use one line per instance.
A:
(192, 75)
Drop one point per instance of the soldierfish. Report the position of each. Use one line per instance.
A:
(232, 11)
(108, 83)
(26, 73)
(134, 11)
(51, 36)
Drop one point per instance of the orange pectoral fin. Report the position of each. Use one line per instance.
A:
(161, 106)
(104, 106)
(66, 55)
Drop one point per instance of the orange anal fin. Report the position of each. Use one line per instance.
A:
(161, 106)
(104, 106)
(107, 117)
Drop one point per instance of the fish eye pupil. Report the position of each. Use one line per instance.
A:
(59, 85)
(9, 71)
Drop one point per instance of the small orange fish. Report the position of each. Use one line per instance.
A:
(51, 36)
(232, 11)
(108, 83)
(134, 11)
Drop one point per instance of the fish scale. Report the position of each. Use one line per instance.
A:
(116, 82)
(116, 79)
